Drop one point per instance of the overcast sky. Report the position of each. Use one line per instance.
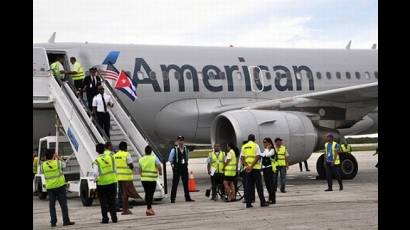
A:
(264, 23)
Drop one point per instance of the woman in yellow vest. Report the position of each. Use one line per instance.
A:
(215, 169)
(52, 169)
(150, 167)
(230, 170)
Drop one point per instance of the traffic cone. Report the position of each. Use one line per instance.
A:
(192, 183)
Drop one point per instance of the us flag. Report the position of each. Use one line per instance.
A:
(111, 73)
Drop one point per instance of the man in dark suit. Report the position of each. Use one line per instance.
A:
(90, 84)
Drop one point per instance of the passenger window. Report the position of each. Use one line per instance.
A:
(222, 75)
(177, 75)
(165, 75)
(367, 75)
(376, 75)
(152, 75)
(298, 76)
(268, 76)
(338, 75)
(211, 75)
(140, 75)
(357, 75)
(188, 75)
(328, 75)
(239, 75)
(309, 75)
(348, 76)
(318, 75)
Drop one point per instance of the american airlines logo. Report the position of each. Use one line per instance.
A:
(252, 76)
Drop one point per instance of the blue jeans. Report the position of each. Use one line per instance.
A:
(60, 195)
(282, 171)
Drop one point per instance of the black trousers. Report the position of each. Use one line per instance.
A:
(244, 186)
(90, 101)
(268, 178)
(106, 195)
(60, 195)
(104, 122)
(78, 83)
(149, 189)
(332, 171)
(254, 178)
(306, 165)
(217, 180)
(180, 171)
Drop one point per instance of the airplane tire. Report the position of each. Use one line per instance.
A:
(84, 194)
(41, 195)
(320, 168)
(348, 166)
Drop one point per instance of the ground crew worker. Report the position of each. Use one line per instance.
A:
(346, 147)
(108, 149)
(251, 158)
(332, 162)
(57, 67)
(52, 169)
(77, 73)
(178, 157)
(267, 156)
(150, 167)
(306, 166)
(282, 165)
(125, 176)
(35, 162)
(215, 164)
(241, 167)
(230, 171)
(106, 178)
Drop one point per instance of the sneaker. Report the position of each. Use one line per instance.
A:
(329, 189)
(68, 223)
(189, 200)
(249, 206)
(307, 170)
(283, 191)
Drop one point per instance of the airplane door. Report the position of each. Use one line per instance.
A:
(40, 62)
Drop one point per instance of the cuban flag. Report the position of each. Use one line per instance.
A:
(124, 84)
(122, 81)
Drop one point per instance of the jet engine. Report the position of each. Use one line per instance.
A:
(297, 131)
(300, 136)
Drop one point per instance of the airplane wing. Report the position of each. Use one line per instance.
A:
(351, 94)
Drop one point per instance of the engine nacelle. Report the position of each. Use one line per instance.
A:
(297, 131)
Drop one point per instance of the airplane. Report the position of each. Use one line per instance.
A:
(222, 94)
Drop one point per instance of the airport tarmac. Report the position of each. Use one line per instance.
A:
(305, 205)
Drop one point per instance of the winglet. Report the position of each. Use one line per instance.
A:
(374, 46)
(52, 39)
(348, 45)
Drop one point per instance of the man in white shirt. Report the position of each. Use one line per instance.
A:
(101, 102)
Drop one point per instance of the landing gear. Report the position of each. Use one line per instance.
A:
(348, 166)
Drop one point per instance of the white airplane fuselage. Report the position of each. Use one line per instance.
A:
(172, 104)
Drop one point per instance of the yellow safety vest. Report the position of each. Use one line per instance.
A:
(53, 174)
(230, 168)
(346, 148)
(80, 72)
(281, 151)
(148, 169)
(124, 173)
(55, 67)
(217, 162)
(335, 155)
(35, 162)
(249, 153)
(106, 169)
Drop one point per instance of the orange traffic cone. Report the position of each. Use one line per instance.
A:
(192, 183)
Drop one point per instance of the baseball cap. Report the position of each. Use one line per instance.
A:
(180, 138)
